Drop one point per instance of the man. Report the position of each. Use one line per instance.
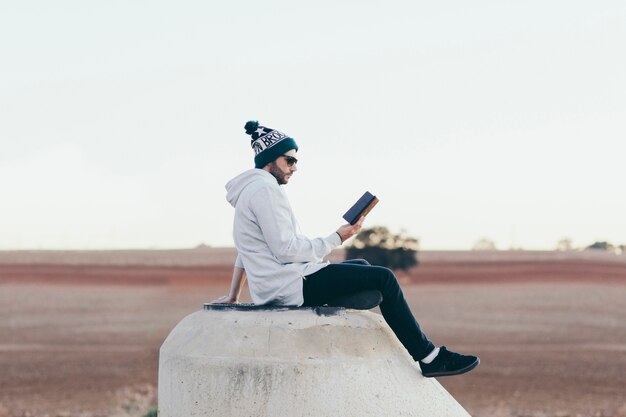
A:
(284, 267)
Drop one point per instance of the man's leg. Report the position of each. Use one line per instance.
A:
(338, 280)
(360, 300)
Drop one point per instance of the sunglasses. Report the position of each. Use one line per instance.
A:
(290, 160)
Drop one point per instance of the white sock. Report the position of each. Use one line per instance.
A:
(431, 356)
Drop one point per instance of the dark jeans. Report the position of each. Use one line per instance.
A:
(348, 277)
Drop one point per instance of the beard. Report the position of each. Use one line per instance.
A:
(281, 177)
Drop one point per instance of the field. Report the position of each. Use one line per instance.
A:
(80, 331)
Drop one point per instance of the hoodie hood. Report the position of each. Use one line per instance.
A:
(235, 187)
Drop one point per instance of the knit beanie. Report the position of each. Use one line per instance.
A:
(268, 144)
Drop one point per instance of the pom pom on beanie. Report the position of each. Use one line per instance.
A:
(251, 126)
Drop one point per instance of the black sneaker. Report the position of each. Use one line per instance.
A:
(449, 363)
(363, 300)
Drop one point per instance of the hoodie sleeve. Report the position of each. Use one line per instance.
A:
(273, 214)
(239, 262)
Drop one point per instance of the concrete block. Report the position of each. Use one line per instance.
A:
(293, 363)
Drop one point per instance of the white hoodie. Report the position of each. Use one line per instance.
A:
(276, 258)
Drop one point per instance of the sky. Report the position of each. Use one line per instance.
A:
(121, 121)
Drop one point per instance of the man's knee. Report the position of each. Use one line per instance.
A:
(390, 277)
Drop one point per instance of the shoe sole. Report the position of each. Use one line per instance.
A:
(364, 300)
(451, 373)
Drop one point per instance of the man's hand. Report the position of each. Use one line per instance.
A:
(225, 299)
(347, 230)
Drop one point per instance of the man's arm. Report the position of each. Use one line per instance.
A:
(274, 218)
(236, 285)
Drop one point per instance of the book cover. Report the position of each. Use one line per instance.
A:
(361, 208)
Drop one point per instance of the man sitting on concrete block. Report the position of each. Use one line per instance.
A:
(284, 267)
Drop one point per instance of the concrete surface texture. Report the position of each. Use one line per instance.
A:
(293, 363)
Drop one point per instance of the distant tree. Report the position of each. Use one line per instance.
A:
(484, 244)
(601, 245)
(564, 245)
(380, 247)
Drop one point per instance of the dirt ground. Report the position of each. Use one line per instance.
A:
(79, 334)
